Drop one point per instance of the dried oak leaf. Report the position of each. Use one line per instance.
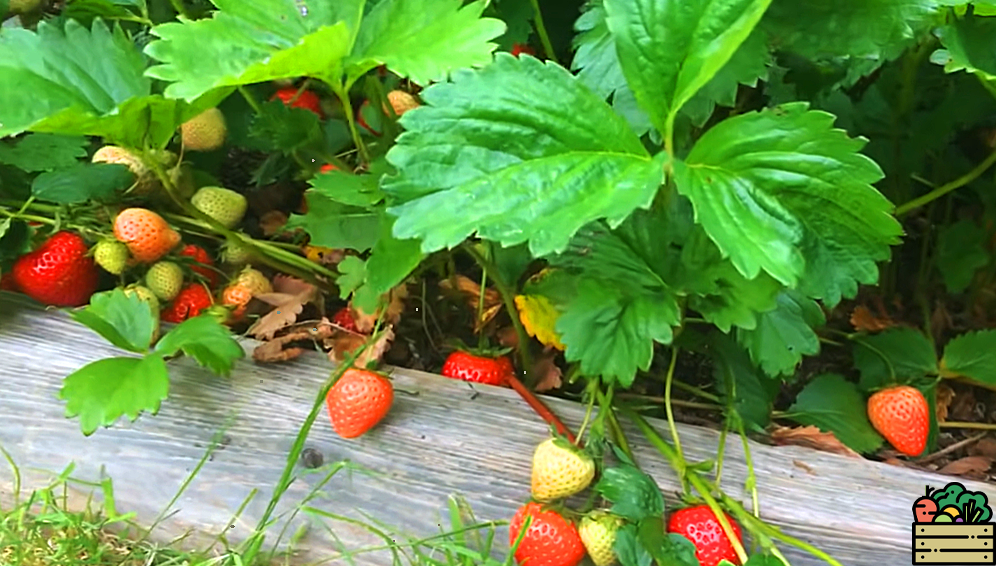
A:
(472, 291)
(288, 297)
(862, 319)
(811, 437)
(985, 447)
(365, 322)
(343, 343)
(944, 397)
(975, 467)
(550, 376)
(273, 351)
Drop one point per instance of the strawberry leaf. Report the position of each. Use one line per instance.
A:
(960, 253)
(251, 42)
(781, 191)
(629, 549)
(348, 189)
(81, 182)
(123, 320)
(391, 260)
(336, 226)
(619, 302)
(84, 82)
(893, 356)
(518, 131)
(972, 355)
(968, 46)
(784, 335)
(747, 391)
(103, 391)
(204, 339)
(834, 405)
(669, 50)
(634, 494)
(757, 560)
(43, 152)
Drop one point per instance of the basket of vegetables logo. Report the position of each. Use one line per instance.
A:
(953, 527)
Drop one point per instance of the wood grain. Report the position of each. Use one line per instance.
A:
(442, 437)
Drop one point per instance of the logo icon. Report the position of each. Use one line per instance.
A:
(953, 526)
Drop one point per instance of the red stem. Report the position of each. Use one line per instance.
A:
(542, 410)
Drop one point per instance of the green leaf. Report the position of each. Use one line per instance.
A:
(960, 253)
(15, 239)
(103, 391)
(747, 391)
(391, 260)
(206, 340)
(518, 151)
(968, 46)
(893, 356)
(82, 182)
(281, 127)
(875, 30)
(629, 549)
(783, 336)
(835, 405)
(634, 494)
(424, 40)
(670, 49)
(333, 225)
(43, 152)
(748, 64)
(621, 304)
(595, 57)
(347, 188)
(84, 82)
(352, 274)
(972, 355)
(781, 191)
(677, 550)
(762, 560)
(123, 320)
(244, 43)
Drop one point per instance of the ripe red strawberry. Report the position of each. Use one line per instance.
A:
(344, 318)
(551, 540)
(58, 273)
(307, 100)
(699, 525)
(146, 234)
(192, 300)
(478, 369)
(358, 401)
(901, 414)
(520, 48)
(328, 167)
(199, 255)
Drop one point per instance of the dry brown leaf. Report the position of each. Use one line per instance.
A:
(344, 343)
(472, 291)
(324, 256)
(811, 437)
(365, 322)
(273, 350)
(508, 337)
(971, 466)
(550, 376)
(985, 447)
(862, 319)
(940, 322)
(963, 406)
(272, 222)
(944, 397)
(288, 297)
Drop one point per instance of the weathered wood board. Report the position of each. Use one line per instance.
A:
(442, 437)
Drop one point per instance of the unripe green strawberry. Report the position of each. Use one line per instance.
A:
(145, 294)
(225, 206)
(111, 255)
(165, 279)
(254, 281)
(204, 132)
(560, 470)
(235, 253)
(598, 533)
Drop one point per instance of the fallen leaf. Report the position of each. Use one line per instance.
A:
(288, 297)
(971, 466)
(804, 467)
(940, 322)
(472, 291)
(343, 343)
(863, 320)
(944, 397)
(365, 322)
(963, 406)
(324, 256)
(272, 222)
(811, 437)
(985, 447)
(550, 376)
(273, 350)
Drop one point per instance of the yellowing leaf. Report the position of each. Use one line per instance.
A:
(539, 317)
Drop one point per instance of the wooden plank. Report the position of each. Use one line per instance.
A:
(442, 437)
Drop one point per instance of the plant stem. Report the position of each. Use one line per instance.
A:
(667, 402)
(751, 482)
(541, 30)
(593, 384)
(347, 107)
(250, 100)
(508, 297)
(697, 392)
(542, 410)
(948, 187)
(28, 217)
(180, 8)
(976, 426)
